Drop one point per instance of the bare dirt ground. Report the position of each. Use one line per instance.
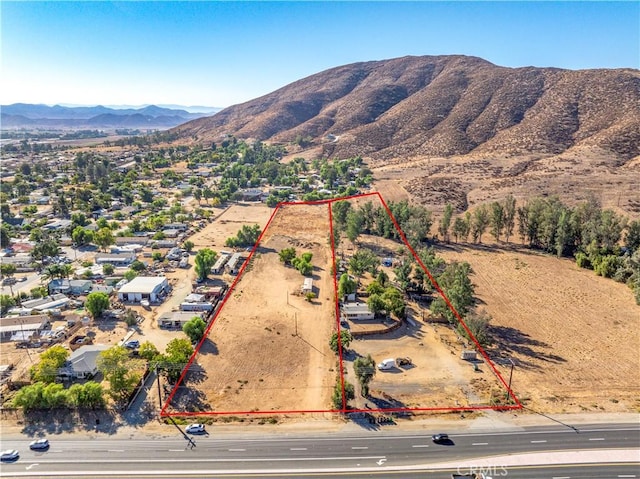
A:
(268, 349)
(473, 179)
(573, 335)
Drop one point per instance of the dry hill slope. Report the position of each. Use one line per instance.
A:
(443, 106)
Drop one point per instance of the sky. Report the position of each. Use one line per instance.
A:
(222, 53)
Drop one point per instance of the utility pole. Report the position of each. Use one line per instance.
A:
(159, 389)
(27, 348)
(510, 378)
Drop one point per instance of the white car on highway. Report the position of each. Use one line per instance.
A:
(195, 428)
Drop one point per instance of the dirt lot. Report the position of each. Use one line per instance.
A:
(268, 349)
(573, 335)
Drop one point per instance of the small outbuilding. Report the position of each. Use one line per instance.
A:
(176, 319)
(307, 286)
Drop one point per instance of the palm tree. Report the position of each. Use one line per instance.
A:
(66, 270)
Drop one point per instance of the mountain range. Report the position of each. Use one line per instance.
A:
(24, 115)
(442, 106)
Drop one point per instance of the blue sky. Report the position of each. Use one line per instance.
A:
(222, 53)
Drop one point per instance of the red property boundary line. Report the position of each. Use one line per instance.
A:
(344, 409)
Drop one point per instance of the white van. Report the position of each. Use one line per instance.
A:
(387, 364)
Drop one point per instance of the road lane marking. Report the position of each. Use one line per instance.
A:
(360, 447)
(176, 450)
(381, 461)
(561, 477)
(596, 439)
(298, 449)
(237, 450)
(36, 464)
(480, 444)
(420, 445)
(626, 475)
(115, 450)
(538, 442)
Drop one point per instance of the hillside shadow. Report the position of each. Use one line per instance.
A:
(513, 341)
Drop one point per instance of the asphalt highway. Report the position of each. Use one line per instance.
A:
(375, 454)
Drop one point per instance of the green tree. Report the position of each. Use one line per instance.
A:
(287, 255)
(148, 351)
(339, 211)
(204, 260)
(478, 324)
(509, 216)
(188, 245)
(96, 303)
(29, 397)
(6, 303)
(51, 360)
(445, 222)
(303, 266)
(481, 220)
(178, 352)
(38, 292)
(497, 219)
(8, 270)
(137, 266)
(632, 238)
(82, 236)
(120, 370)
(354, 225)
(346, 285)
(382, 278)
(129, 274)
(104, 238)
(89, 395)
(365, 369)
(194, 328)
(336, 396)
(376, 303)
(363, 260)
(5, 236)
(108, 269)
(394, 302)
(403, 274)
(457, 286)
(46, 245)
(54, 396)
(345, 340)
(375, 288)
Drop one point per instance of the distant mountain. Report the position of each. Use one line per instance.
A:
(20, 115)
(441, 106)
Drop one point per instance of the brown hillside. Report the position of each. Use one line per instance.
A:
(442, 106)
